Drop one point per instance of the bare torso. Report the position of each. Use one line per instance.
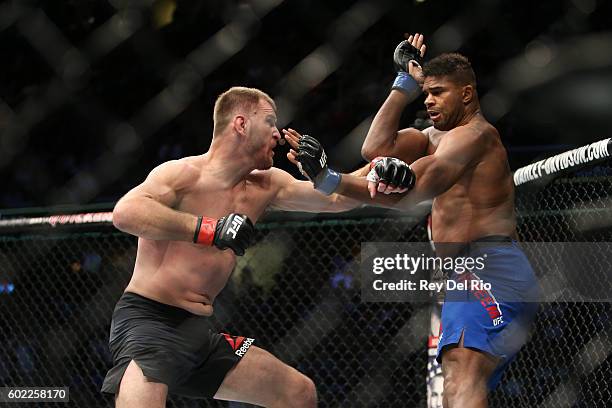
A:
(188, 275)
(481, 203)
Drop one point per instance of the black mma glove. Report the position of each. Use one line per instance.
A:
(232, 231)
(312, 162)
(404, 82)
(403, 54)
(391, 171)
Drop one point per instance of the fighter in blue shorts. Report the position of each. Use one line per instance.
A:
(491, 306)
(460, 163)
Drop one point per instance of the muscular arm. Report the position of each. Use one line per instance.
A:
(146, 210)
(435, 174)
(297, 195)
(383, 137)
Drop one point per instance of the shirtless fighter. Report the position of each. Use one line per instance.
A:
(193, 216)
(460, 163)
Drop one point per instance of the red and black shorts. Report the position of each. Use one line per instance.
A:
(171, 346)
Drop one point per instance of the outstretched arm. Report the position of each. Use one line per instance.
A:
(434, 174)
(308, 155)
(460, 150)
(298, 195)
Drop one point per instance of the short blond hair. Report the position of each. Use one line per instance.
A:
(237, 97)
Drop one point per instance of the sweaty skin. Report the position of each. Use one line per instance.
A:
(189, 275)
(466, 173)
(465, 170)
(460, 163)
(234, 176)
(481, 201)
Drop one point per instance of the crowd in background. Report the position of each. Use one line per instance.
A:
(56, 126)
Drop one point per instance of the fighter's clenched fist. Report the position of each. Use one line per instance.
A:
(232, 231)
(389, 175)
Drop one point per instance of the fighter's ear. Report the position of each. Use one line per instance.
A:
(239, 124)
(468, 94)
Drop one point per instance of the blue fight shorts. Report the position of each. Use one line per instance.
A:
(495, 319)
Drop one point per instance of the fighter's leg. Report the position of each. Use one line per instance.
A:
(135, 391)
(466, 374)
(262, 379)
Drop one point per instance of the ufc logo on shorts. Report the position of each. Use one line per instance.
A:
(497, 321)
(323, 159)
(236, 223)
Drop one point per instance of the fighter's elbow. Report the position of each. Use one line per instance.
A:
(372, 149)
(123, 216)
(340, 203)
(333, 204)
(367, 152)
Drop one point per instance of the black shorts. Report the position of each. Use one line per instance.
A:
(171, 346)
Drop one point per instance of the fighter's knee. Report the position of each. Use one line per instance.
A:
(305, 392)
(451, 391)
(301, 392)
(457, 387)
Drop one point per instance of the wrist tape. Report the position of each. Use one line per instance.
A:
(205, 231)
(406, 84)
(328, 182)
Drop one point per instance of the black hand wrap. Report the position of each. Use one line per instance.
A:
(404, 82)
(234, 231)
(394, 172)
(313, 164)
(311, 156)
(404, 52)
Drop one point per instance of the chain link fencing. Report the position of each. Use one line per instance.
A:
(95, 92)
(297, 291)
(568, 360)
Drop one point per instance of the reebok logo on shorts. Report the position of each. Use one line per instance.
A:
(234, 341)
(239, 344)
(245, 346)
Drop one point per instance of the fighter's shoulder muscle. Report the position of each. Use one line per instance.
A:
(467, 144)
(469, 134)
(433, 136)
(273, 178)
(179, 174)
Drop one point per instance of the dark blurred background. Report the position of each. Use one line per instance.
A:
(94, 93)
